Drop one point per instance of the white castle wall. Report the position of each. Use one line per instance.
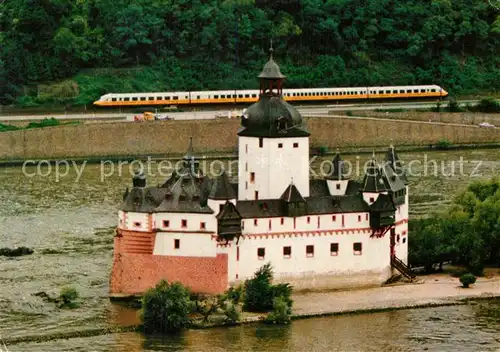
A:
(134, 221)
(325, 222)
(323, 268)
(273, 167)
(194, 241)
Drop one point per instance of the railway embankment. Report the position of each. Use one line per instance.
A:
(161, 138)
(466, 118)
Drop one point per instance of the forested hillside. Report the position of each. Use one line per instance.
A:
(84, 48)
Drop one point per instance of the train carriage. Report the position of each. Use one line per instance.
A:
(251, 96)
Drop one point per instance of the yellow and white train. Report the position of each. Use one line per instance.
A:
(251, 96)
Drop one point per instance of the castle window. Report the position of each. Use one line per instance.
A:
(287, 252)
(166, 223)
(372, 199)
(282, 221)
(256, 195)
(280, 145)
(295, 145)
(334, 218)
(246, 184)
(246, 148)
(184, 223)
(261, 253)
(242, 226)
(338, 185)
(237, 254)
(310, 251)
(252, 177)
(246, 166)
(221, 206)
(308, 220)
(357, 248)
(404, 239)
(261, 142)
(334, 248)
(398, 238)
(137, 224)
(203, 226)
(269, 224)
(366, 217)
(254, 222)
(359, 218)
(177, 243)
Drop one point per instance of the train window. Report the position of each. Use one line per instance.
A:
(222, 96)
(380, 92)
(415, 91)
(176, 98)
(143, 98)
(126, 99)
(422, 90)
(433, 90)
(216, 97)
(408, 91)
(387, 92)
(255, 95)
(134, 98)
(167, 98)
(113, 99)
(234, 95)
(158, 98)
(240, 95)
(401, 91)
(247, 95)
(197, 97)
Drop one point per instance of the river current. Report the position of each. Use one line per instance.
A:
(69, 223)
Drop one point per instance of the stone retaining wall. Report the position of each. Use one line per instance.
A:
(171, 137)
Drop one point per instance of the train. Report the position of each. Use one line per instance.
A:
(251, 96)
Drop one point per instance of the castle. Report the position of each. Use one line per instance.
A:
(327, 233)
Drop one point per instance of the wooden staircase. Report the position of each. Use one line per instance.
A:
(402, 268)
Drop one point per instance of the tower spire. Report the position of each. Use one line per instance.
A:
(271, 50)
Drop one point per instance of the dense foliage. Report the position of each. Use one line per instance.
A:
(166, 308)
(260, 292)
(150, 45)
(467, 234)
(467, 280)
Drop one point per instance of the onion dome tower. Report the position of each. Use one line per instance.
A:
(273, 142)
(271, 116)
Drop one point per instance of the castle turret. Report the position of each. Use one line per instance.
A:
(396, 164)
(337, 177)
(295, 204)
(139, 180)
(273, 142)
(220, 192)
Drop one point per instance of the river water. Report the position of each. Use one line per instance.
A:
(69, 222)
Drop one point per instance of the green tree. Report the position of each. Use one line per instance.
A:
(165, 308)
